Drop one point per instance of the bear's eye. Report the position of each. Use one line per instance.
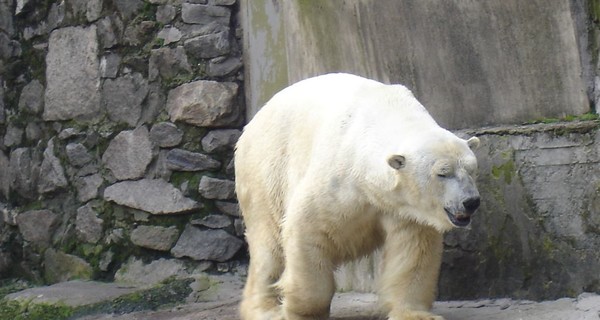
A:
(445, 172)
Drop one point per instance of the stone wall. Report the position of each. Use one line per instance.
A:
(537, 233)
(117, 125)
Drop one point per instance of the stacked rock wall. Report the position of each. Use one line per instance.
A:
(117, 125)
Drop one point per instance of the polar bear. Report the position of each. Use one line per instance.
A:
(333, 168)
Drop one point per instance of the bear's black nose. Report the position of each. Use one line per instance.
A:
(471, 204)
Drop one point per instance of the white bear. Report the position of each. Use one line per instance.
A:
(333, 168)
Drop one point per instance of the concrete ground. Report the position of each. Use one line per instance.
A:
(220, 302)
(360, 306)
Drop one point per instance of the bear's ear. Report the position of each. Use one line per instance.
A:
(397, 161)
(473, 143)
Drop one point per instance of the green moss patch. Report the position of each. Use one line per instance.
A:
(168, 293)
(26, 310)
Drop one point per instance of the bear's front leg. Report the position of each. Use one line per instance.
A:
(411, 266)
(307, 285)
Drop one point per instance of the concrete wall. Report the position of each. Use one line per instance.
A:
(470, 63)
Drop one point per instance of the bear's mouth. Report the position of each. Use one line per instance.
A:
(459, 220)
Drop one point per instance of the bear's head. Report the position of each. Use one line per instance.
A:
(436, 181)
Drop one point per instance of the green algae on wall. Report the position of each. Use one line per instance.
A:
(264, 37)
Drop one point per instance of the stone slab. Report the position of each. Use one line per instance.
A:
(74, 293)
(72, 75)
(363, 306)
(151, 195)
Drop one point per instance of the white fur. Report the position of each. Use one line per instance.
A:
(316, 190)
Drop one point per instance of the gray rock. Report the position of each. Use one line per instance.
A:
(204, 14)
(56, 16)
(72, 75)
(219, 140)
(69, 133)
(78, 154)
(221, 2)
(87, 187)
(183, 160)
(13, 136)
(37, 226)
(153, 237)
(168, 63)
(78, 7)
(128, 154)
(166, 134)
(21, 4)
(158, 168)
(169, 2)
(128, 8)
(213, 221)
(204, 103)
(116, 236)
(52, 174)
(208, 46)
(33, 132)
(87, 224)
(4, 175)
(2, 107)
(109, 65)
(169, 35)
(32, 98)
(35, 31)
(24, 171)
(232, 209)
(212, 188)
(134, 271)
(194, 30)
(217, 245)
(75, 293)
(108, 30)
(154, 196)
(9, 216)
(230, 169)
(165, 13)
(8, 48)
(122, 98)
(240, 227)
(6, 17)
(137, 34)
(105, 260)
(154, 104)
(61, 267)
(91, 9)
(220, 67)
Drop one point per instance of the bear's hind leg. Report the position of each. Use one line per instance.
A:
(307, 284)
(261, 297)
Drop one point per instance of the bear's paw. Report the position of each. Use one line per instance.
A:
(415, 315)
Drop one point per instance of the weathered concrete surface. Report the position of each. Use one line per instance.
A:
(218, 299)
(265, 60)
(470, 63)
